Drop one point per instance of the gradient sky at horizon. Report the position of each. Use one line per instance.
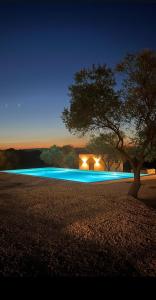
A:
(43, 44)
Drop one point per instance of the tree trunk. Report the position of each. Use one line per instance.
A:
(118, 165)
(108, 165)
(134, 189)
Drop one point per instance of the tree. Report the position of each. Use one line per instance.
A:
(67, 149)
(97, 105)
(103, 145)
(52, 156)
(70, 157)
(70, 160)
(9, 159)
(3, 161)
(63, 157)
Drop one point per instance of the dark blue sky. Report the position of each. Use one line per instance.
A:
(42, 45)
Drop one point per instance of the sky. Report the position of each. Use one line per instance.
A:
(42, 45)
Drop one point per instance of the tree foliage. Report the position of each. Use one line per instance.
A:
(98, 105)
(62, 157)
(8, 159)
(103, 145)
(52, 156)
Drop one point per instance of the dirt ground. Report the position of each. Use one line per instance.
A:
(61, 228)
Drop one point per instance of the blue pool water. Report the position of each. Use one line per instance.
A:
(73, 174)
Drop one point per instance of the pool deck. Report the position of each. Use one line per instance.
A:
(146, 177)
(63, 228)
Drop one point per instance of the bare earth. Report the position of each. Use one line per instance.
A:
(62, 228)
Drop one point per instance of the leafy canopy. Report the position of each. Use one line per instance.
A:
(63, 157)
(98, 106)
(103, 146)
(91, 96)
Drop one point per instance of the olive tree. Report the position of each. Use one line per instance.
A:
(103, 145)
(98, 105)
(62, 157)
(52, 156)
(9, 159)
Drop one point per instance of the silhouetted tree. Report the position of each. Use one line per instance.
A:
(67, 148)
(104, 146)
(63, 157)
(52, 156)
(8, 159)
(130, 113)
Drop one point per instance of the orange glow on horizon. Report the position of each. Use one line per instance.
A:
(33, 145)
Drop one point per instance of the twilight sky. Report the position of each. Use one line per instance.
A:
(43, 44)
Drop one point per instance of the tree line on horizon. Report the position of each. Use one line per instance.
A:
(61, 157)
(54, 156)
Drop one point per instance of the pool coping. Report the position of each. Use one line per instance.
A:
(128, 180)
(120, 180)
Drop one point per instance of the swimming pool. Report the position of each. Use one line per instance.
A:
(73, 174)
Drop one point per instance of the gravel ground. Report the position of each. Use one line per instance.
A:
(60, 228)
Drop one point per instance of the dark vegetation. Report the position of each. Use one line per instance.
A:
(125, 115)
(66, 156)
(22, 159)
(61, 157)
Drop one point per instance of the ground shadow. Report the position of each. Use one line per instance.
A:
(34, 246)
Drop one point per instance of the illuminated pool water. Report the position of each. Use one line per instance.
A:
(73, 174)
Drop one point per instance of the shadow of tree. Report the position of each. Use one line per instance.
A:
(150, 202)
(36, 246)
